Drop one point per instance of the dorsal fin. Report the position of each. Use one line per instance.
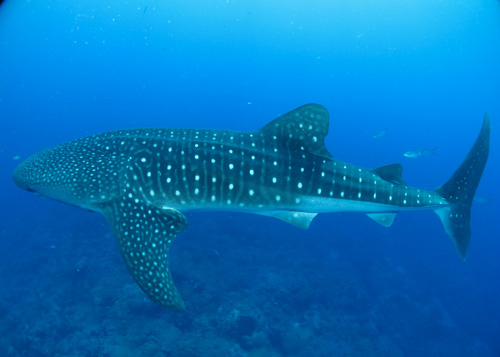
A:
(302, 129)
(392, 173)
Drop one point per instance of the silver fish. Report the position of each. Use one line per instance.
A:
(420, 153)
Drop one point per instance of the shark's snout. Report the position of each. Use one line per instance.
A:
(21, 177)
(30, 174)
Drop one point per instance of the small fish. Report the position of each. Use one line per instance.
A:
(481, 199)
(419, 153)
(17, 157)
(380, 133)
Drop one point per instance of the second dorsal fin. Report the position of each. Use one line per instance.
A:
(392, 173)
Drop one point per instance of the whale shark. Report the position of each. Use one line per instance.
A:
(142, 179)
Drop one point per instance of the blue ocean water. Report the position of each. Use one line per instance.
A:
(423, 72)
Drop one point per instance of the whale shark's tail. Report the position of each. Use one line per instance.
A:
(460, 188)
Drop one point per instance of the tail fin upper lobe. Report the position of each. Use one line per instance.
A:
(460, 188)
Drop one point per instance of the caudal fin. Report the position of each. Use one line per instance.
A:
(460, 188)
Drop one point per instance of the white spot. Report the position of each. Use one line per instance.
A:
(299, 185)
(143, 159)
(275, 179)
(152, 192)
(251, 192)
(278, 198)
(342, 194)
(231, 186)
(177, 193)
(197, 177)
(251, 172)
(319, 191)
(231, 166)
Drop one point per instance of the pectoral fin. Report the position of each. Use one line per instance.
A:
(143, 234)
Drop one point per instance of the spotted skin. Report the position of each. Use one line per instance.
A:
(144, 235)
(141, 179)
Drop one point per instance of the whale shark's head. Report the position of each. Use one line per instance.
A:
(23, 176)
(72, 173)
(47, 175)
(39, 174)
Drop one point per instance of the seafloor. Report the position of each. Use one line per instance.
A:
(253, 286)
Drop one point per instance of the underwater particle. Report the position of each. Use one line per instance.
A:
(380, 133)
